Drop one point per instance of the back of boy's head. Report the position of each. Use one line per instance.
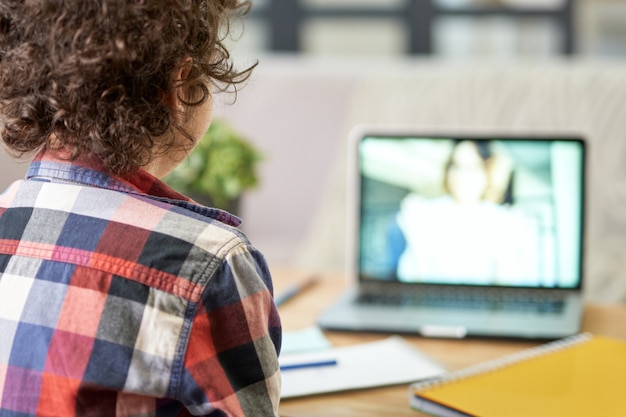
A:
(92, 74)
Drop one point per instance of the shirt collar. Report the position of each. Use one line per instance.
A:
(55, 166)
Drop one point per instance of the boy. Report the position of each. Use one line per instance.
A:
(119, 296)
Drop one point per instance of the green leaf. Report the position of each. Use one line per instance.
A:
(223, 166)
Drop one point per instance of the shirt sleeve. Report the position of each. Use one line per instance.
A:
(231, 362)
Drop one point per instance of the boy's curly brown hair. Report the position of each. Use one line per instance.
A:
(93, 74)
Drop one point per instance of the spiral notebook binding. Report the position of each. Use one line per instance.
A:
(499, 363)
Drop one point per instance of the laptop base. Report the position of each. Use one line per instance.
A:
(348, 315)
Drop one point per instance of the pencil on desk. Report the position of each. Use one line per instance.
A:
(295, 289)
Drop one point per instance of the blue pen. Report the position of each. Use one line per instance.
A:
(315, 364)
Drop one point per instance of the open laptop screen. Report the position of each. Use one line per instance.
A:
(471, 211)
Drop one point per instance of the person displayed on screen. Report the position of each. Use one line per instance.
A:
(462, 236)
(119, 296)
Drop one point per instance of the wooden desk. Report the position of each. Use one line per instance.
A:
(302, 311)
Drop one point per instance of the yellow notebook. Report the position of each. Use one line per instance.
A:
(582, 375)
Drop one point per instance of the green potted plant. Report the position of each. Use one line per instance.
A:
(218, 171)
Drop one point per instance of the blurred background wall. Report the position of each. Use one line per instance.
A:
(299, 104)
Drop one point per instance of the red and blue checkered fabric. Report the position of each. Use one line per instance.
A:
(123, 298)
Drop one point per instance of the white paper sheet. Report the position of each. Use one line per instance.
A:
(386, 362)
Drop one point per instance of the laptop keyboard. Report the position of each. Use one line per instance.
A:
(472, 300)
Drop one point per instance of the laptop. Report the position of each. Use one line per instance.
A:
(460, 235)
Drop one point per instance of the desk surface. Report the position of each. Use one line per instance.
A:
(301, 312)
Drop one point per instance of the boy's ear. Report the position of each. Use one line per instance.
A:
(172, 97)
(182, 71)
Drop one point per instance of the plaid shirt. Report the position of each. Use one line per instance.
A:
(124, 298)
